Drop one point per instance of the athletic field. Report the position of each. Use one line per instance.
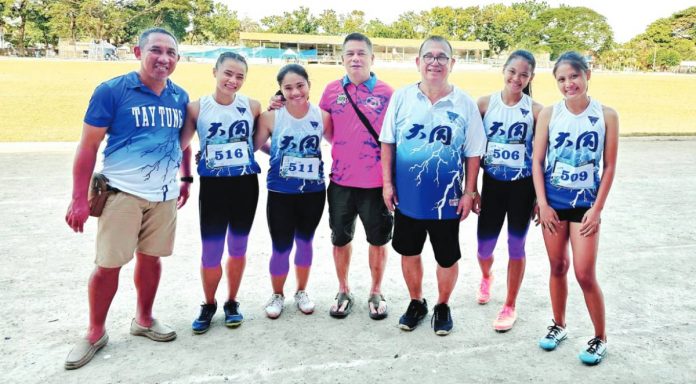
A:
(645, 266)
(45, 100)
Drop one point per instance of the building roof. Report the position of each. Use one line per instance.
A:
(338, 40)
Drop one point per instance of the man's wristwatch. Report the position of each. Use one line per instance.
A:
(472, 194)
(187, 179)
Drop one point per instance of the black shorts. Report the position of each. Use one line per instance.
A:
(409, 237)
(500, 198)
(346, 203)
(574, 215)
(227, 203)
(293, 215)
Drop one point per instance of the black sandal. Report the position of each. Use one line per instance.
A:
(342, 297)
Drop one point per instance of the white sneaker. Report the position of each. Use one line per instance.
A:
(304, 303)
(275, 305)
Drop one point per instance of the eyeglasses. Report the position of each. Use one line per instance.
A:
(429, 59)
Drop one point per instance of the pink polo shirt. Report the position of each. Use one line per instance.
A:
(356, 154)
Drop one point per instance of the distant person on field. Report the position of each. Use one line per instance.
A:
(573, 137)
(140, 114)
(432, 140)
(229, 190)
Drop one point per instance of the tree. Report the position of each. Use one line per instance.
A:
(497, 25)
(455, 23)
(328, 22)
(666, 41)
(684, 24)
(248, 25)
(376, 28)
(19, 10)
(353, 22)
(64, 14)
(39, 18)
(170, 14)
(201, 14)
(531, 7)
(224, 25)
(567, 28)
(409, 25)
(667, 58)
(299, 21)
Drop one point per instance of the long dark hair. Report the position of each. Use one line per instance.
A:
(290, 68)
(529, 58)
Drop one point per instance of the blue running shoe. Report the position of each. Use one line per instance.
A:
(442, 320)
(596, 351)
(233, 318)
(414, 315)
(554, 337)
(202, 323)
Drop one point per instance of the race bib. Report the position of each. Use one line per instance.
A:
(306, 168)
(573, 177)
(509, 155)
(231, 154)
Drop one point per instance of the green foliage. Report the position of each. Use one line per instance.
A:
(568, 28)
(529, 24)
(299, 21)
(666, 42)
(667, 58)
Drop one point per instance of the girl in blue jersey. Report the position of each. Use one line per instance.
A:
(508, 189)
(296, 190)
(573, 138)
(229, 188)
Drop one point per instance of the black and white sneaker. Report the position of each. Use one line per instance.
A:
(415, 313)
(442, 320)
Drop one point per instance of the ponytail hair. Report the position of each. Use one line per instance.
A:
(232, 56)
(529, 58)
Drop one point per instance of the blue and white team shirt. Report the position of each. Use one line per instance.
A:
(296, 165)
(432, 144)
(575, 148)
(142, 154)
(225, 133)
(510, 131)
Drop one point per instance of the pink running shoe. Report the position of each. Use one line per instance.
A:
(484, 292)
(505, 320)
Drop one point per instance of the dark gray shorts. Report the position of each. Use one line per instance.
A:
(346, 203)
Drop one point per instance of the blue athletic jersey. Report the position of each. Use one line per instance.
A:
(225, 133)
(142, 154)
(432, 143)
(510, 131)
(575, 148)
(295, 164)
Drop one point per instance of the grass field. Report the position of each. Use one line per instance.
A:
(42, 100)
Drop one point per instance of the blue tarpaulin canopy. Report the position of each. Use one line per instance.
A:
(259, 52)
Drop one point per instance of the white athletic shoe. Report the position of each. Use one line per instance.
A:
(275, 305)
(304, 303)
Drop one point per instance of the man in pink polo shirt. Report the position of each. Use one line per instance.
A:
(357, 103)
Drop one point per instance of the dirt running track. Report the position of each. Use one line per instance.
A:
(646, 266)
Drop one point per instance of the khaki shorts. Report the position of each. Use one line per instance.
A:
(130, 223)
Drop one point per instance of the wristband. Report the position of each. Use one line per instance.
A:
(472, 194)
(187, 179)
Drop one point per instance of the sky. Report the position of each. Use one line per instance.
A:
(625, 20)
